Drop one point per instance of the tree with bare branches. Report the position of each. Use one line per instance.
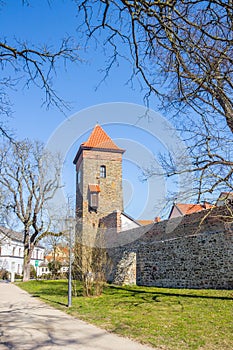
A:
(30, 176)
(183, 51)
(38, 65)
(208, 159)
(27, 64)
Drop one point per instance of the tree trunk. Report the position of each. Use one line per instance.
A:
(227, 108)
(26, 271)
(26, 264)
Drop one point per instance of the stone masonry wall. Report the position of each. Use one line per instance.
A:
(110, 196)
(179, 253)
(110, 190)
(202, 261)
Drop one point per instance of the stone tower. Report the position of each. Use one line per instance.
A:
(98, 181)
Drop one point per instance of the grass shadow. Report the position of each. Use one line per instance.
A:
(42, 298)
(170, 294)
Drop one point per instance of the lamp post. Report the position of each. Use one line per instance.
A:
(70, 272)
(70, 221)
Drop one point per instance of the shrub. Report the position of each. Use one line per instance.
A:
(4, 274)
(32, 272)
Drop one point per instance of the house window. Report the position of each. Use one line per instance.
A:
(103, 171)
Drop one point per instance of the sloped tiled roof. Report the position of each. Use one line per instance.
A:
(180, 209)
(192, 208)
(208, 205)
(61, 255)
(145, 222)
(94, 188)
(98, 140)
(189, 208)
(14, 235)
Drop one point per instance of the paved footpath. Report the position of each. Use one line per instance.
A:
(27, 323)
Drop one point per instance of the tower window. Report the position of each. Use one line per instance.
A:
(93, 196)
(94, 200)
(79, 176)
(103, 171)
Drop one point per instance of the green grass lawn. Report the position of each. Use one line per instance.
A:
(169, 319)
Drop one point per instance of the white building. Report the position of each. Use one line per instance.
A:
(11, 252)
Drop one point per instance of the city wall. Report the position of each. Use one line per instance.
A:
(183, 252)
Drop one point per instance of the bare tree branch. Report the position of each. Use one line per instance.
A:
(30, 177)
(181, 49)
(38, 65)
(24, 64)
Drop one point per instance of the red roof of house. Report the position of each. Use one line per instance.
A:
(145, 222)
(61, 254)
(192, 208)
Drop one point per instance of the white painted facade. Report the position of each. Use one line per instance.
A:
(127, 223)
(44, 270)
(11, 252)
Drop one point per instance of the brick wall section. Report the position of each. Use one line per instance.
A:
(112, 220)
(178, 253)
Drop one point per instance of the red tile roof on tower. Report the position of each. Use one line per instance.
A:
(94, 188)
(98, 140)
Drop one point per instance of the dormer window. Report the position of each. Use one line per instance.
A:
(102, 171)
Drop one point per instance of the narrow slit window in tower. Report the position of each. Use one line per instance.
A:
(103, 171)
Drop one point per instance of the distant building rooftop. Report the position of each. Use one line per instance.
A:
(181, 209)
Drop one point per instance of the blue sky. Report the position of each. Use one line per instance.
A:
(40, 23)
